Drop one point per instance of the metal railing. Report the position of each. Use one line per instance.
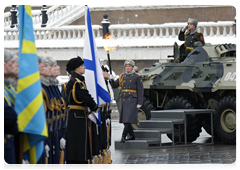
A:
(56, 14)
(126, 31)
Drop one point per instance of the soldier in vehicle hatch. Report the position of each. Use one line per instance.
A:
(131, 98)
(192, 37)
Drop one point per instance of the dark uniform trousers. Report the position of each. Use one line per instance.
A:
(78, 134)
(10, 129)
(190, 38)
(49, 111)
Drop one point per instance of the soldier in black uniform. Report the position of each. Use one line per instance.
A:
(78, 99)
(192, 37)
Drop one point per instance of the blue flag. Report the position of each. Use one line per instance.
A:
(29, 99)
(93, 75)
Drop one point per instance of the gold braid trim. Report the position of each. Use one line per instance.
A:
(65, 89)
(59, 105)
(73, 92)
(45, 106)
(55, 103)
(121, 82)
(50, 105)
(79, 81)
(63, 103)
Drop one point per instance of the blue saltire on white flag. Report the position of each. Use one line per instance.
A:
(93, 74)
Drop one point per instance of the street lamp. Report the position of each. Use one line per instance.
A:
(44, 16)
(105, 24)
(13, 16)
(236, 24)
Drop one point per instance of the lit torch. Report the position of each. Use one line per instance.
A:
(107, 48)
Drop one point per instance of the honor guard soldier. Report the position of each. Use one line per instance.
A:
(64, 86)
(108, 115)
(78, 146)
(45, 72)
(58, 152)
(131, 98)
(10, 116)
(193, 38)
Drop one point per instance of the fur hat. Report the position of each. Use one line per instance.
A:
(192, 21)
(7, 55)
(51, 61)
(73, 64)
(129, 62)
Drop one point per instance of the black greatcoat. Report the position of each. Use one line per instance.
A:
(77, 136)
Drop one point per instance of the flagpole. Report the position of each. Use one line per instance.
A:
(109, 62)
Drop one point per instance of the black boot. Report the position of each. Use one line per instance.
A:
(131, 133)
(122, 139)
(131, 137)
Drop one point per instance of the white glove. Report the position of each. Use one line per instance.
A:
(184, 29)
(27, 164)
(113, 76)
(138, 106)
(23, 164)
(107, 121)
(62, 143)
(47, 149)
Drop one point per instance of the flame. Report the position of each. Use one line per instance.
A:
(109, 37)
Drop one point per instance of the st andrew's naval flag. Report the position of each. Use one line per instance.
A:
(29, 99)
(93, 74)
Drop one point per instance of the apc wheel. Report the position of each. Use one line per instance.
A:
(144, 113)
(225, 120)
(193, 124)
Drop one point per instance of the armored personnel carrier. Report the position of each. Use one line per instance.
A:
(205, 79)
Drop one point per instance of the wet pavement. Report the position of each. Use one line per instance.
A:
(217, 153)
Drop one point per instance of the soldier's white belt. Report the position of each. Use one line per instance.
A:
(129, 90)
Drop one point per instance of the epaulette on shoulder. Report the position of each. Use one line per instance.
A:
(138, 74)
(198, 32)
(83, 85)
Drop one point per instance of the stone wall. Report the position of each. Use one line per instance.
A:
(161, 15)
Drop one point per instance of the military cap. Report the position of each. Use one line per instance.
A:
(15, 56)
(39, 58)
(51, 61)
(74, 63)
(7, 55)
(130, 62)
(42, 60)
(192, 21)
(105, 68)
